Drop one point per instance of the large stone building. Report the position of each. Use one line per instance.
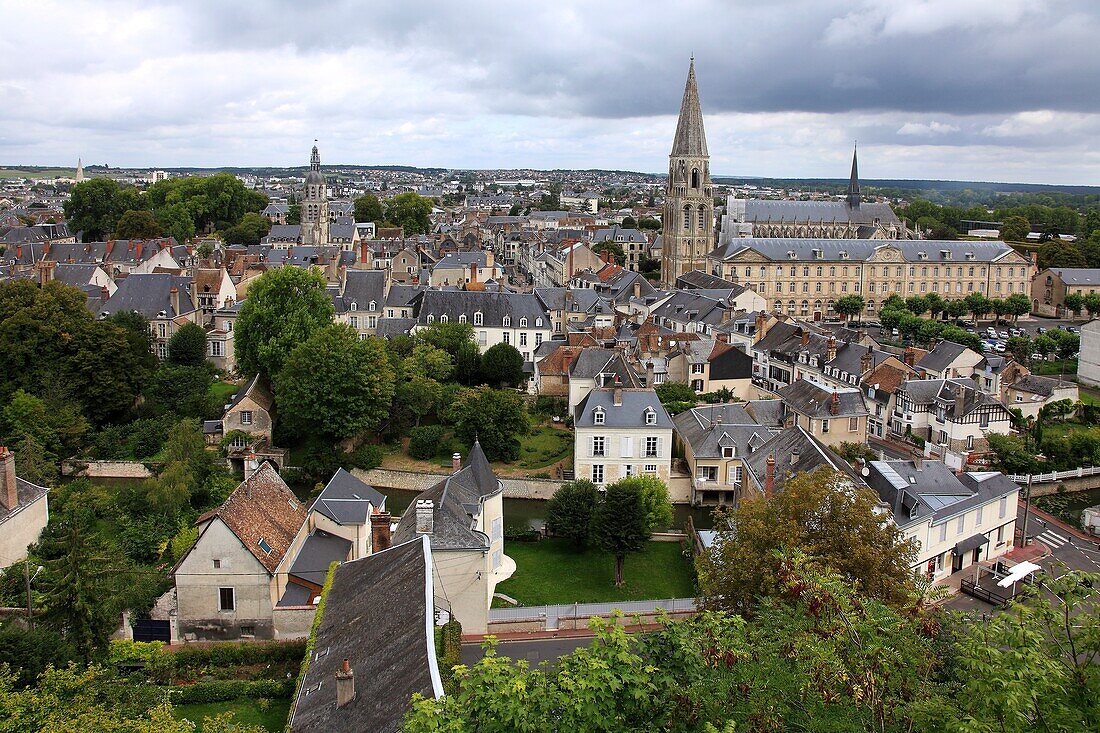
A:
(1051, 286)
(688, 221)
(315, 219)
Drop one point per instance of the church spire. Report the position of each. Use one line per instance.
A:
(690, 138)
(853, 182)
(315, 159)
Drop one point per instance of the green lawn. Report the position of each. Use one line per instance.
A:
(550, 572)
(223, 391)
(1054, 368)
(1088, 395)
(544, 446)
(246, 712)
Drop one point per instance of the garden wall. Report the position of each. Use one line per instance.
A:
(106, 469)
(514, 488)
(293, 622)
(581, 623)
(1068, 486)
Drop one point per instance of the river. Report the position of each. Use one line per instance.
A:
(1068, 507)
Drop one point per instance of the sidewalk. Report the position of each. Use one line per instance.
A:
(1051, 519)
(558, 634)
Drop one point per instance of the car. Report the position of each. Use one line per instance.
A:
(1041, 329)
(1004, 335)
(1016, 332)
(1036, 357)
(894, 332)
(966, 323)
(999, 347)
(990, 333)
(1072, 329)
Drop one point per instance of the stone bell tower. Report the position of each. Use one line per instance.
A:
(688, 221)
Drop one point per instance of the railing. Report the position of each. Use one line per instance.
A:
(971, 588)
(1038, 478)
(584, 610)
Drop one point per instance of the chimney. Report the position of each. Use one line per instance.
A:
(174, 294)
(45, 272)
(104, 293)
(830, 348)
(794, 457)
(425, 516)
(490, 260)
(865, 362)
(909, 356)
(345, 685)
(9, 488)
(473, 272)
(380, 538)
(109, 248)
(456, 462)
(805, 337)
(834, 404)
(761, 325)
(649, 374)
(960, 401)
(860, 334)
(769, 476)
(618, 395)
(605, 255)
(638, 288)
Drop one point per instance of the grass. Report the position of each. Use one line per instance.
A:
(245, 712)
(223, 391)
(1088, 395)
(1067, 428)
(544, 446)
(1054, 368)
(551, 572)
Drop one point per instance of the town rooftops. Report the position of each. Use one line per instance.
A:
(150, 295)
(630, 413)
(263, 513)
(1078, 275)
(494, 307)
(378, 615)
(795, 451)
(941, 356)
(590, 363)
(809, 250)
(347, 500)
(814, 400)
(918, 490)
(709, 429)
(320, 550)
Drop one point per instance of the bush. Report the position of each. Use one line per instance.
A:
(365, 457)
(450, 652)
(222, 690)
(551, 406)
(425, 442)
(235, 654)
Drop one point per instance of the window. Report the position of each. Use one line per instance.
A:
(1001, 535)
(498, 528)
(227, 600)
(650, 417)
(523, 322)
(961, 525)
(538, 323)
(983, 420)
(706, 473)
(651, 468)
(507, 321)
(507, 337)
(970, 442)
(355, 322)
(943, 532)
(652, 446)
(216, 348)
(597, 416)
(598, 446)
(523, 338)
(978, 517)
(597, 473)
(217, 564)
(1003, 508)
(824, 426)
(248, 631)
(264, 545)
(697, 368)
(728, 451)
(853, 424)
(538, 338)
(735, 476)
(462, 318)
(246, 417)
(443, 318)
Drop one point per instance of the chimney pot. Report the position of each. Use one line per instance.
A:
(456, 462)
(834, 404)
(425, 516)
(769, 476)
(9, 487)
(345, 684)
(380, 535)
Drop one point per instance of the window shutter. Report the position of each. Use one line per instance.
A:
(627, 447)
(591, 447)
(660, 446)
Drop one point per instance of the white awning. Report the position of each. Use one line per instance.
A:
(1018, 572)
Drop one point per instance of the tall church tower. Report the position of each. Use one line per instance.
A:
(315, 204)
(79, 171)
(853, 184)
(688, 221)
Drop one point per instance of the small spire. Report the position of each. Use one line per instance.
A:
(853, 181)
(315, 158)
(690, 138)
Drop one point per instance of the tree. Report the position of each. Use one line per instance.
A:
(658, 508)
(1056, 253)
(283, 309)
(629, 223)
(249, 230)
(138, 225)
(1016, 305)
(894, 302)
(1092, 303)
(1044, 344)
(425, 360)
(55, 425)
(821, 513)
(368, 208)
(1019, 347)
(669, 392)
(1013, 454)
(569, 512)
(934, 304)
(213, 202)
(94, 207)
(35, 463)
(411, 211)
(294, 214)
(916, 305)
(649, 223)
(997, 305)
(187, 347)
(1015, 229)
(419, 395)
(335, 384)
(175, 220)
(502, 365)
(956, 308)
(493, 417)
(182, 391)
(1074, 302)
(620, 524)
(848, 306)
(978, 305)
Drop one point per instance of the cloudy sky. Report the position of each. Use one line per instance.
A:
(1003, 90)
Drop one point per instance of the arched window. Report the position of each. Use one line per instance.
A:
(462, 318)
(523, 322)
(373, 305)
(819, 271)
(354, 306)
(479, 319)
(507, 321)
(687, 218)
(538, 323)
(443, 318)
(702, 218)
(695, 178)
(804, 309)
(790, 307)
(431, 318)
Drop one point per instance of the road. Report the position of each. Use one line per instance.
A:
(533, 650)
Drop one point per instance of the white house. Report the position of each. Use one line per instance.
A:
(622, 432)
(950, 413)
(24, 511)
(497, 317)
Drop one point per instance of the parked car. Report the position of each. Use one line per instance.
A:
(1072, 329)
(1036, 357)
(999, 347)
(1004, 335)
(1041, 329)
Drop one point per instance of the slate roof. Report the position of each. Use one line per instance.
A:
(388, 327)
(255, 390)
(1078, 275)
(458, 500)
(493, 305)
(361, 287)
(592, 362)
(262, 507)
(814, 400)
(774, 210)
(319, 550)
(709, 428)
(1042, 386)
(941, 356)
(630, 414)
(150, 294)
(699, 279)
(777, 249)
(378, 614)
(347, 500)
(795, 452)
(690, 139)
(582, 300)
(932, 490)
(26, 494)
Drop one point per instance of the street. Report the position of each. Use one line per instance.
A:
(533, 650)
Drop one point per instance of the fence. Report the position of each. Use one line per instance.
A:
(548, 617)
(1039, 478)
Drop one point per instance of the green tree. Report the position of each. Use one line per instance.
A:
(978, 305)
(104, 371)
(620, 524)
(425, 360)
(956, 308)
(848, 306)
(1016, 305)
(411, 211)
(569, 512)
(56, 425)
(181, 391)
(629, 223)
(1019, 347)
(658, 507)
(335, 384)
(934, 304)
(137, 225)
(1015, 229)
(187, 347)
(94, 208)
(916, 305)
(283, 309)
(821, 513)
(176, 221)
(1013, 454)
(35, 463)
(368, 208)
(419, 395)
(249, 230)
(1092, 303)
(28, 652)
(496, 418)
(294, 214)
(1074, 302)
(670, 392)
(502, 365)
(1056, 253)
(650, 224)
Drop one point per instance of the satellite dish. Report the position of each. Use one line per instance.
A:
(865, 471)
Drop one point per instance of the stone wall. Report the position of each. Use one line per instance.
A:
(293, 622)
(1068, 486)
(106, 469)
(534, 625)
(514, 488)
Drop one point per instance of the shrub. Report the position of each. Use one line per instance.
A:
(450, 647)
(365, 457)
(425, 441)
(551, 406)
(222, 690)
(230, 654)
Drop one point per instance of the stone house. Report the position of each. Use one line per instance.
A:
(24, 511)
(715, 441)
(832, 416)
(250, 411)
(620, 433)
(1032, 393)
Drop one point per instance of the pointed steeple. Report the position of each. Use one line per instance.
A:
(79, 170)
(690, 139)
(853, 183)
(315, 159)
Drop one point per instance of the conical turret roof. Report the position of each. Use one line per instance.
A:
(690, 138)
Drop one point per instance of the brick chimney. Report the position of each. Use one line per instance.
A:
(830, 348)
(174, 294)
(617, 395)
(805, 337)
(345, 684)
(380, 538)
(425, 516)
(473, 272)
(605, 255)
(909, 356)
(456, 462)
(490, 260)
(9, 488)
(46, 271)
(834, 404)
(761, 326)
(960, 401)
(769, 476)
(865, 362)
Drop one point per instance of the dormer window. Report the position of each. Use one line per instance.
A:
(431, 318)
(373, 305)
(354, 306)
(922, 255)
(507, 321)
(791, 254)
(523, 322)
(462, 318)
(443, 318)
(479, 319)
(970, 256)
(538, 323)
(650, 416)
(843, 254)
(729, 451)
(598, 416)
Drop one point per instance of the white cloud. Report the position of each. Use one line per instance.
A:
(926, 129)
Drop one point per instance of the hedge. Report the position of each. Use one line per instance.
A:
(450, 653)
(225, 654)
(426, 441)
(222, 690)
